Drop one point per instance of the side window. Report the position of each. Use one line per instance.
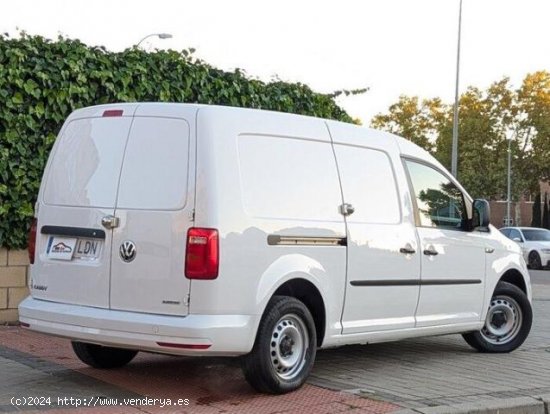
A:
(440, 203)
(506, 232)
(514, 234)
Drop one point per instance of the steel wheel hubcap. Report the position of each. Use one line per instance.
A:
(503, 321)
(289, 344)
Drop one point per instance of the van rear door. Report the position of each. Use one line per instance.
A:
(79, 190)
(155, 209)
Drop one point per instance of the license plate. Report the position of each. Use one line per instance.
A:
(87, 249)
(68, 248)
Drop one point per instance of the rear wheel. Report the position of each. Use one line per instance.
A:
(285, 348)
(534, 261)
(104, 357)
(508, 321)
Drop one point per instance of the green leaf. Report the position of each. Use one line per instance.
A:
(42, 81)
(17, 98)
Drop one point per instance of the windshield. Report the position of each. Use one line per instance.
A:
(536, 235)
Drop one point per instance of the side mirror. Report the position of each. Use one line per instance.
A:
(517, 239)
(482, 213)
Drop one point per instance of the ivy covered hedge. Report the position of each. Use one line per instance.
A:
(43, 81)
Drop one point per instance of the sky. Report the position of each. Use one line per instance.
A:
(393, 47)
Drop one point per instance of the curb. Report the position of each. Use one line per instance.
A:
(520, 405)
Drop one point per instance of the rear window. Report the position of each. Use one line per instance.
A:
(86, 165)
(154, 173)
(90, 161)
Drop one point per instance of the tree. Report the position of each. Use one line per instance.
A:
(487, 120)
(535, 221)
(545, 217)
(484, 123)
(482, 141)
(417, 121)
(534, 104)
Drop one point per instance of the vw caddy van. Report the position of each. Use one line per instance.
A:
(204, 230)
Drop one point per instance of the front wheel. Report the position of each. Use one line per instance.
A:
(103, 357)
(508, 321)
(285, 347)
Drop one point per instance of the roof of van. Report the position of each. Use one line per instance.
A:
(406, 147)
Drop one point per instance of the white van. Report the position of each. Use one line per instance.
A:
(205, 230)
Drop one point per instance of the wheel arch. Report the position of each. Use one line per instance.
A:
(514, 277)
(309, 295)
(303, 278)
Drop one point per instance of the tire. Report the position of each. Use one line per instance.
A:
(508, 321)
(102, 357)
(534, 260)
(285, 348)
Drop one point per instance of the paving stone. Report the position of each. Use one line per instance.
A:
(521, 405)
(23, 377)
(36, 364)
(441, 370)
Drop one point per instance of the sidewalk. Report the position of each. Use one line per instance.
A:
(443, 371)
(429, 375)
(35, 365)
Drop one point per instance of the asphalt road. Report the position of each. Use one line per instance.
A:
(540, 277)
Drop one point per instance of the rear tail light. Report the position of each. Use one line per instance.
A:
(32, 241)
(202, 255)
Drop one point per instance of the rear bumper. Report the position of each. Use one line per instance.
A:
(224, 335)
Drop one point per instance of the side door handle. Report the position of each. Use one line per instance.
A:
(408, 249)
(430, 251)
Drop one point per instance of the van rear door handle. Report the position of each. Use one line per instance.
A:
(110, 222)
(430, 251)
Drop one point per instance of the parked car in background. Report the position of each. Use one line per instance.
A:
(534, 242)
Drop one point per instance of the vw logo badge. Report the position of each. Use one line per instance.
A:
(127, 251)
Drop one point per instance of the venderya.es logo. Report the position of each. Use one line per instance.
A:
(61, 248)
